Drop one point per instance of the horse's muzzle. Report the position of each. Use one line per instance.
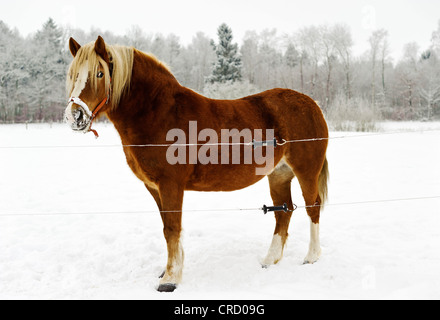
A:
(78, 118)
(82, 121)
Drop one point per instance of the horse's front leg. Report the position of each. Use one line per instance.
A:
(171, 196)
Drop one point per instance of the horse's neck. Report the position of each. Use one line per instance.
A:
(151, 79)
(149, 99)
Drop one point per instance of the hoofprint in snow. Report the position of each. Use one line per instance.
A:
(377, 250)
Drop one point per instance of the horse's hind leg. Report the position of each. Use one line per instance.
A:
(313, 206)
(280, 182)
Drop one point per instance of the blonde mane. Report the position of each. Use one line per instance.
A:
(121, 58)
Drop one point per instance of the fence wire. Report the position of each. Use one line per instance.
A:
(103, 213)
(281, 143)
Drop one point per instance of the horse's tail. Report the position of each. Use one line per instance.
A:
(323, 183)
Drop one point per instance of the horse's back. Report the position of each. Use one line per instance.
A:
(296, 114)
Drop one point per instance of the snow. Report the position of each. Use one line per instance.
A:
(370, 251)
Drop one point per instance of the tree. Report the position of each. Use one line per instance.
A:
(172, 48)
(308, 40)
(14, 76)
(48, 71)
(270, 60)
(327, 40)
(430, 83)
(408, 78)
(378, 48)
(137, 38)
(228, 64)
(436, 39)
(343, 42)
(249, 54)
(291, 60)
(195, 62)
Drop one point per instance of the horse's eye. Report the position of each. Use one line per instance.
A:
(100, 75)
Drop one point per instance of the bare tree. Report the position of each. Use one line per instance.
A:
(343, 42)
(329, 52)
(308, 41)
(436, 39)
(249, 54)
(194, 63)
(378, 47)
(408, 79)
(138, 39)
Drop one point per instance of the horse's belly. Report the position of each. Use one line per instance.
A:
(223, 178)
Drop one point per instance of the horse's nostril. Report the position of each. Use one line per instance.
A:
(80, 119)
(78, 115)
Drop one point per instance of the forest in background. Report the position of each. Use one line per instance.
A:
(315, 60)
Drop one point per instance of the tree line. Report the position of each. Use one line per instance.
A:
(315, 60)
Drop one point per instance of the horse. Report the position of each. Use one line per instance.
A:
(145, 102)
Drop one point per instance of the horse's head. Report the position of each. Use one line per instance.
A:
(88, 84)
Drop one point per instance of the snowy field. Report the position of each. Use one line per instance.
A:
(370, 251)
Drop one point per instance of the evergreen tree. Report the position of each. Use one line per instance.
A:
(291, 56)
(228, 64)
(48, 71)
(13, 75)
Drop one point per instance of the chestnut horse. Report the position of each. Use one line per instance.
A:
(144, 101)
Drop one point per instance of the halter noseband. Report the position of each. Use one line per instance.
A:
(92, 115)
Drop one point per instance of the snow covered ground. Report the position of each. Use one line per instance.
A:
(372, 251)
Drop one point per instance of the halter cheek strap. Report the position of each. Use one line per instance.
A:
(95, 112)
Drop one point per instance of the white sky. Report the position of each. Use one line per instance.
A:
(405, 20)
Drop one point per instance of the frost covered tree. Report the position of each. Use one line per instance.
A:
(329, 52)
(407, 74)
(195, 62)
(429, 88)
(309, 44)
(379, 47)
(14, 77)
(249, 54)
(291, 59)
(228, 64)
(343, 45)
(436, 38)
(138, 39)
(316, 60)
(48, 71)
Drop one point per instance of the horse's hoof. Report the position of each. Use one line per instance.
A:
(167, 287)
(313, 256)
(310, 261)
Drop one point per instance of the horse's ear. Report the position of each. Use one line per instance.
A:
(101, 49)
(74, 47)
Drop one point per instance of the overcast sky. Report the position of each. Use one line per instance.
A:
(406, 20)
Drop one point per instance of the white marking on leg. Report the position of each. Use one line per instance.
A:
(173, 274)
(315, 246)
(275, 251)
